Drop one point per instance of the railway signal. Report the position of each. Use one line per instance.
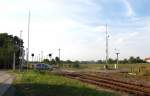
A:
(117, 54)
(50, 56)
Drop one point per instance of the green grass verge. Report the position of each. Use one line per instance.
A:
(98, 67)
(47, 84)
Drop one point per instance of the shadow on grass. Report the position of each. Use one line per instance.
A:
(53, 90)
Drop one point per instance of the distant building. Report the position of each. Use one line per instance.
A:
(147, 59)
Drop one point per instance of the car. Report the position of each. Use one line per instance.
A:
(42, 66)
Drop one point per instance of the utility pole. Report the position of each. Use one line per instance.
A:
(28, 40)
(14, 61)
(59, 53)
(21, 56)
(59, 57)
(106, 49)
(41, 56)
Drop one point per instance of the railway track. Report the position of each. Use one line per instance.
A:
(128, 87)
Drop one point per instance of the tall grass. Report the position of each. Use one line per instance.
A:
(47, 84)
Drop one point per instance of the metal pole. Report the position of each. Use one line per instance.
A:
(14, 62)
(59, 53)
(106, 47)
(41, 56)
(117, 59)
(59, 57)
(20, 51)
(32, 59)
(23, 53)
(28, 40)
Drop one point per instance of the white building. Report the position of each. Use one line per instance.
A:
(147, 59)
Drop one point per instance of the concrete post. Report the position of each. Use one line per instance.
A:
(14, 62)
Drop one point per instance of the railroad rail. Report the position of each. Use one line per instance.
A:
(107, 82)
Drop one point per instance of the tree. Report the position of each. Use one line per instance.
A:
(46, 61)
(100, 62)
(139, 60)
(8, 45)
(111, 61)
(124, 61)
(69, 62)
(53, 62)
(76, 64)
(57, 60)
(132, 60)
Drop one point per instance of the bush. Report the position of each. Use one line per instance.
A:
(76, 65)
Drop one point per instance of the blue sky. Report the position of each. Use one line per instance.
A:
(78, 26)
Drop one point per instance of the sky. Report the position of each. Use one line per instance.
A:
(77, 27)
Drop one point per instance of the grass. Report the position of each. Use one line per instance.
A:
(98, 67)
(47, 84)
(142, 71)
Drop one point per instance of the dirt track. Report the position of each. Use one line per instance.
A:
(5, 81)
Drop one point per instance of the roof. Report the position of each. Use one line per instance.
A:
(148, 58)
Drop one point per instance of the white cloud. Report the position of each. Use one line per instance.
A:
(130, 11)
(61, 24)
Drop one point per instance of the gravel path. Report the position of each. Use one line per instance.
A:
(5, 81)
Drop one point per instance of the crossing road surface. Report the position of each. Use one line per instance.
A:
(5, 81)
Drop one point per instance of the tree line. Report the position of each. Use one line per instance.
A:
(9, 45)
(56, 61)
(130, 60)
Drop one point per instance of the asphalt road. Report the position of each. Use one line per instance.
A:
(5, 81)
